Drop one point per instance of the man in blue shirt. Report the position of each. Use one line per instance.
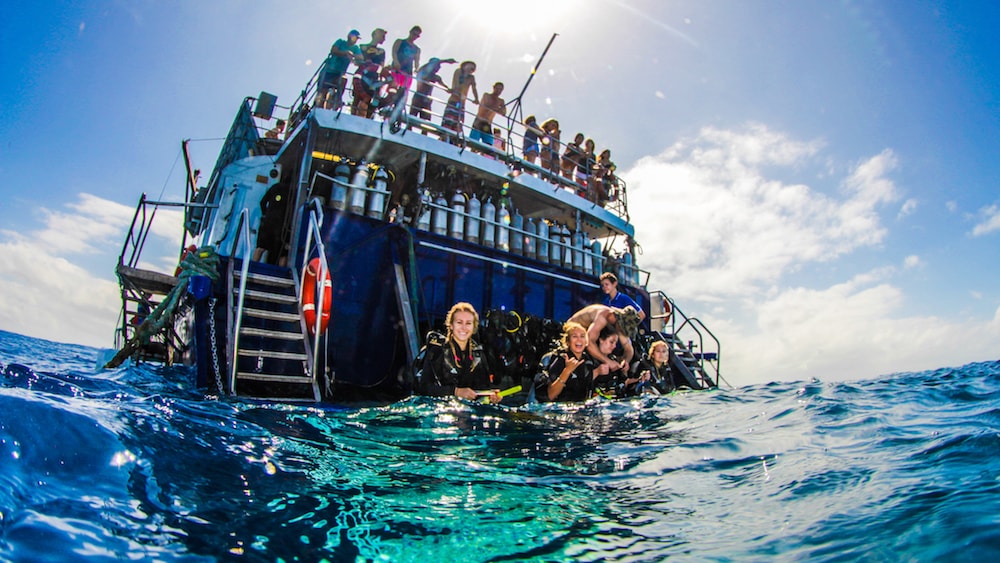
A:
(615, 298)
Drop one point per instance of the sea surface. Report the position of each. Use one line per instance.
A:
(133, 464)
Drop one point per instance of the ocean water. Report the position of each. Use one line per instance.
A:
(132, 464)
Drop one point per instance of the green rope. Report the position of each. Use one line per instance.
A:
(202, 262)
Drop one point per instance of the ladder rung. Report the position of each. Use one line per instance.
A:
(279, 334)
(272, 315)
(272, 354)
(268, 296)
(266, 279)
(274, 377)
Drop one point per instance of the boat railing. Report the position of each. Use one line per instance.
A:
(507, 146)
(242, 236)
(313, 234)
(131, 254)
(689, 333)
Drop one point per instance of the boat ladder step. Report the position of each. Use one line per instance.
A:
(271, 315)
(265, 279)
(278, 334)
(274, 377)
(271, 297)
(272, 354)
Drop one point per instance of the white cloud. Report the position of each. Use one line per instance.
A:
(705, 209)
(909, 206)
(45, 292)
(720, 232)
(990, 221)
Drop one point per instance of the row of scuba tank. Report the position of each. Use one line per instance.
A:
(354, 195)
(468, 218)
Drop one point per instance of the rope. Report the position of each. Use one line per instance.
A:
(202, 262)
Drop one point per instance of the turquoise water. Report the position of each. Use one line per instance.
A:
(131, 464)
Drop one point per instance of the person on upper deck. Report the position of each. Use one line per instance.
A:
(368, 80)
(427, 77)
(462, 81)
(585, 167)
(625, 321)
(604, 178)
(571, 157)
(276, 131)
(455, 364)
(532, 132)
(615, 298)
(568, 373)
(331, 85)
(489, 106)
(405, 60)
(550, 146)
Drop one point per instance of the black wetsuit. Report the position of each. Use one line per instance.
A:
(441, 367)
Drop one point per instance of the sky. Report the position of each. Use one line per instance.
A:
(817, 181)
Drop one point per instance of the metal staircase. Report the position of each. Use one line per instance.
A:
(684, 337)
(272, 358)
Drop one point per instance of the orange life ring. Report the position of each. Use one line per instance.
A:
(668, 311)
(309, 297)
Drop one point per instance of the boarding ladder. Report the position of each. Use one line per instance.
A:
(272, 360)
(694, 351)
(269, 356)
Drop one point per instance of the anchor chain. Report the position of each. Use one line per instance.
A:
(215, 345)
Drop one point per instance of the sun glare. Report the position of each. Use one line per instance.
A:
(513, 16)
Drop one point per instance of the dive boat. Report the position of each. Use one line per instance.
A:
(314, 263)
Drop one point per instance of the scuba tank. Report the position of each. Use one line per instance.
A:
(377, 199)
(597, 258)
(530, 238)
(555, 248)
(424, 220)
(356, 201)
(457, 219)
(503, 229)
(342, 176)
(472, 219)
(439, 218)
(542, 249)
(517, 237)
(578, 240)
(489, 223)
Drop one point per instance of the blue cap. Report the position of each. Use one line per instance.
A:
(354, 32)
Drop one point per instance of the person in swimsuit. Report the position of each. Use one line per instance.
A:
(492, 104)
(462, 81)
(405, 60)
(532, 132)
(625, 321)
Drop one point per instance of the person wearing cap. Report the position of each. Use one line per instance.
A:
(332, 82)
(427, 77)
(615, 298)
(595, 318)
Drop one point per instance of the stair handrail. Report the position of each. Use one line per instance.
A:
(699, 328)
(242, 229)
(316, 218)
